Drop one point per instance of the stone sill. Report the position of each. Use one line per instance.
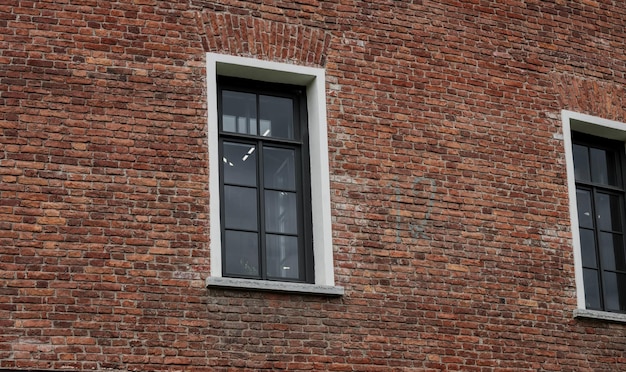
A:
(600, 315)
(266, 285)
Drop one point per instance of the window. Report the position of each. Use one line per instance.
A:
(600, 202)
(265, 193)
(270, 220)
(596, 162)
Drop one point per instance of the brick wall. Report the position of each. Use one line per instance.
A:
(448, 185)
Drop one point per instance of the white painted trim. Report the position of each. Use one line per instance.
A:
(320, 182)
(266, 285)
(600, 315)
(214, 174)
(573, 209)
(599, 127)
(315, 81)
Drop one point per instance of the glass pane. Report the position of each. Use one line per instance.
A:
(241, 253)
(585, 214)
(280, 212)
(581, 163)
(592, 289)
(608, 212)
(603, 167)
(276, 117)
(239, 162)
(612, 251)
(615, 291)
(280, 168)
(588, 248)
(282, 256)
(239, 112)
(240, 208)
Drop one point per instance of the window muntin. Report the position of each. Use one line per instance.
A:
(600, 195)
(266, 214)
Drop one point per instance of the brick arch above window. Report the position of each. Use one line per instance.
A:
(594, 96)
(250, 36)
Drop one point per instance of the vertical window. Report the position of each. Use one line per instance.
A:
(596, 162)
(264, 181)
(271, 249)
(599, 179)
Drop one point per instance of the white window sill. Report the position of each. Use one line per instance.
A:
(600, 315)
(266, 285)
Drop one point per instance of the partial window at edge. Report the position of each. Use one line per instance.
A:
(600, 200)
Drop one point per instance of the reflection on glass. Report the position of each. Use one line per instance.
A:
(588, 248)
(266, 128)
(608, 211)
(280, 169)
(241, 253)
(615, 291)
(276, 117)
(585, 214)
(612, 251)
(603, 168)
(592, 289)
(239, 112)
(240, 208)
(581, 163)
(599, 170)
(282, 256)
(239, 163)
(280, 212)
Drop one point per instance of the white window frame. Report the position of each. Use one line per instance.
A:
(314, 79)
(573, 121)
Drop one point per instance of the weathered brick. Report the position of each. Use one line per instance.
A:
(449, 202)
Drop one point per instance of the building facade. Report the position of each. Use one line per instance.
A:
(366, 185)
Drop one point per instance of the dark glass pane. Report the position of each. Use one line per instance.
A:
(612, 251)
(280, 168)
(240, 208)
(239, 162)
(608, 212)
(276, 117)
(282, 256)
(592, 289)
(581, 163)
(614, 291)
(241, 253)
(588, 248)
(585, 214)
(239, 112)
(603, 167)
(280, 212)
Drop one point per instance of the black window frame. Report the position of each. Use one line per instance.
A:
(300, 143)
(593, 188)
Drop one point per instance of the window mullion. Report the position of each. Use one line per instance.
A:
(221, 190)
(596, 231)
(261, 212)
(261, 193)
(303, 234)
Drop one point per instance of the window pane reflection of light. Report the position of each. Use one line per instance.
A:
(277, 115)
(240, 171)
(280, 168)
(280, 212)
(239, 112)
(282, 256)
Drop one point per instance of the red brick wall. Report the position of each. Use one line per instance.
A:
(449, 198)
